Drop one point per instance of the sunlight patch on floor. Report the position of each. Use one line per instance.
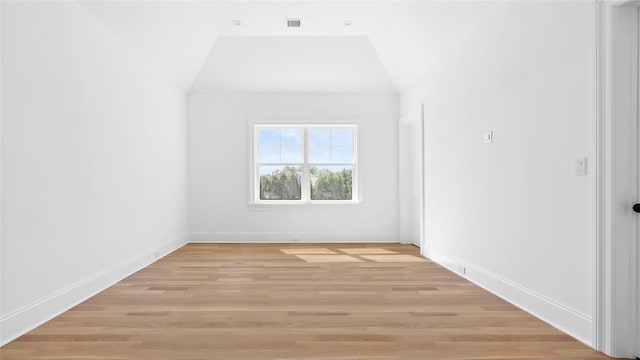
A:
(358, 251)
(324, 255)
(328, 258)
(307, 251)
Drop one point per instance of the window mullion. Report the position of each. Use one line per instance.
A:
(306, 191)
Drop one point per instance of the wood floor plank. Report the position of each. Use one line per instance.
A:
(292, 302)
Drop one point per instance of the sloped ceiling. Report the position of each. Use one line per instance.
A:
(388, 45)
(407, 37)
(412, 36)
(293, 64)
(173, 37)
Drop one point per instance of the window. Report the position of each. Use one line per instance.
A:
(305, 164)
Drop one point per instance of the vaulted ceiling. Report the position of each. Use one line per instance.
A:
(293, 64)
(342, 46)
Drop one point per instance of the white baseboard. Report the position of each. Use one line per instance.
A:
(568, 320)
(288, 237)
(28, 317)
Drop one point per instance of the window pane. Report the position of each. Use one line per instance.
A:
(269, 137)
(319, 154)
(291, 137)
(269, 155)
(291, 155)
(331, 182)
(341, 155)
(341, 137)
(320, 137)
(280, 182)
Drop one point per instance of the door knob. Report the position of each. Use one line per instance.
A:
(636, 208)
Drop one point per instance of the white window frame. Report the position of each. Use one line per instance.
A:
(306, 165)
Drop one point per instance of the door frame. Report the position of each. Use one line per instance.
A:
(615, 322)
(637, 173)
(411, 144)
(417, 176)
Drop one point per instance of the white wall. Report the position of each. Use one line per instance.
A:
(93, 162)
(513, 212)
(219, 169)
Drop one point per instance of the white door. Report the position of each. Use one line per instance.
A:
(417, 180)
(618, 274)
(638, 192)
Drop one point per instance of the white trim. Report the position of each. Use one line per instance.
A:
(422, 181)
(289, 206)
(616, 259)
(570, 321)
(30, 316)
(636, 155)
(286, 237)
(413, 161)
(602, 181)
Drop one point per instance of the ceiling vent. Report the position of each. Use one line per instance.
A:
(294, 23)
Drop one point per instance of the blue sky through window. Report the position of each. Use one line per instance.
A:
(341, 137)
(292, 137)
(280, 145)
(331, 145)
(341, 154)
(284, 145)
(269, 155)
(269, 137)
(319, 154)
(320, 137)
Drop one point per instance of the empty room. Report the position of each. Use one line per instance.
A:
(288, 180)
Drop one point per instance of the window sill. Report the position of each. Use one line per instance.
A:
(287, 206)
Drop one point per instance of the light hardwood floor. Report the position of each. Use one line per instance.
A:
(353, 301)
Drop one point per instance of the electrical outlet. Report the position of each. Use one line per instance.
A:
(488, 137)
(296, 238)
(462, 269)
(580, 168)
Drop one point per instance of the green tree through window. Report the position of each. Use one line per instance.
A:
(331, 185)
(281, 184)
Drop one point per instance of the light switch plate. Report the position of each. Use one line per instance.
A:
(581, 166)
(488, 137)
